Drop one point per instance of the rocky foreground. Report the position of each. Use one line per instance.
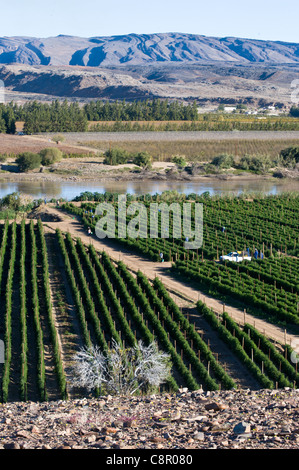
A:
(245, 419)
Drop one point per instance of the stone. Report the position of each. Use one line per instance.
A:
(110, 430)
(11, 445)
(242, 428)
(157, 439)
(183, 390)
(177, 415)
(35, 429)
(224, 443)
(215, 406)
(244, 435)
(23, 433)
(195, 418)
(199, 436)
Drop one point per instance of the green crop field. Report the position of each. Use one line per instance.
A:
(270, 284)
(59, 294)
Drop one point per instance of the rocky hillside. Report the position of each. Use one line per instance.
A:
(132, 67)
(208, 84)
(241, 419)
(141, 49)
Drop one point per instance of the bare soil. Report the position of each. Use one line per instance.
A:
(24, 143)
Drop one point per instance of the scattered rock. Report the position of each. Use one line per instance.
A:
(23, 433)
(242, 428)
(215, 406)
(186, 420)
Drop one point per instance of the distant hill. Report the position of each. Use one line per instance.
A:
(141, 66)
(142, 49)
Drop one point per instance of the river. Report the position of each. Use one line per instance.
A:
(68, 190)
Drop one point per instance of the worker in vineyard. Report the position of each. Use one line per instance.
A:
(256, 254)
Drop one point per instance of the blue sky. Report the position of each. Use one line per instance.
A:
(259, 19)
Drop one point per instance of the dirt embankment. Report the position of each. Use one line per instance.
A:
(93, 169)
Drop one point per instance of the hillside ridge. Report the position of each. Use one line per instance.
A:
(141, 49)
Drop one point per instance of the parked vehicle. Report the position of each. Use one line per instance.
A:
(237, 256)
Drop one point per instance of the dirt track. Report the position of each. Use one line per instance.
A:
(184, 294)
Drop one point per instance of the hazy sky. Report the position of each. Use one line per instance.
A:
(259, 19)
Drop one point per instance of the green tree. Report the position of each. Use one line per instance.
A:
(50, 155)
(11, 201)
(224, 161)
(290, 156)
(143, 159)
(28, 161)
(179, 160)
(294, 112)
(10, 121)
(256, 163)
(57, 138)
(116, 156)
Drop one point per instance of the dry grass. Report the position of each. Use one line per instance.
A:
(14, 144)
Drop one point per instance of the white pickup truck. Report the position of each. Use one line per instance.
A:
(236, 256)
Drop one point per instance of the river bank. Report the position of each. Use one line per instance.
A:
(72, 176)
(92, 168)
(129, 176)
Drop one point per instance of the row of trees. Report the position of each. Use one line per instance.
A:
(68, 116)
(149, 110)
(43, 117)
(7, 120)
(71, 117)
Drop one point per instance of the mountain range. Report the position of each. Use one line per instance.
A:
(141, 49)
(140, 66)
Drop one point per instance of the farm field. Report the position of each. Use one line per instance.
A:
(108, 303)
(205, 123)
(268, 284)
(201, 146)
(201, 150)
(60, 293)
(14, 144)
(195, 146)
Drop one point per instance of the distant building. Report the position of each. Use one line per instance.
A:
(229, 109)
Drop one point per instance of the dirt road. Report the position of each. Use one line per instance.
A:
(184, 293)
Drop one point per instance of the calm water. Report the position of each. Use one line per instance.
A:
(68, 190)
